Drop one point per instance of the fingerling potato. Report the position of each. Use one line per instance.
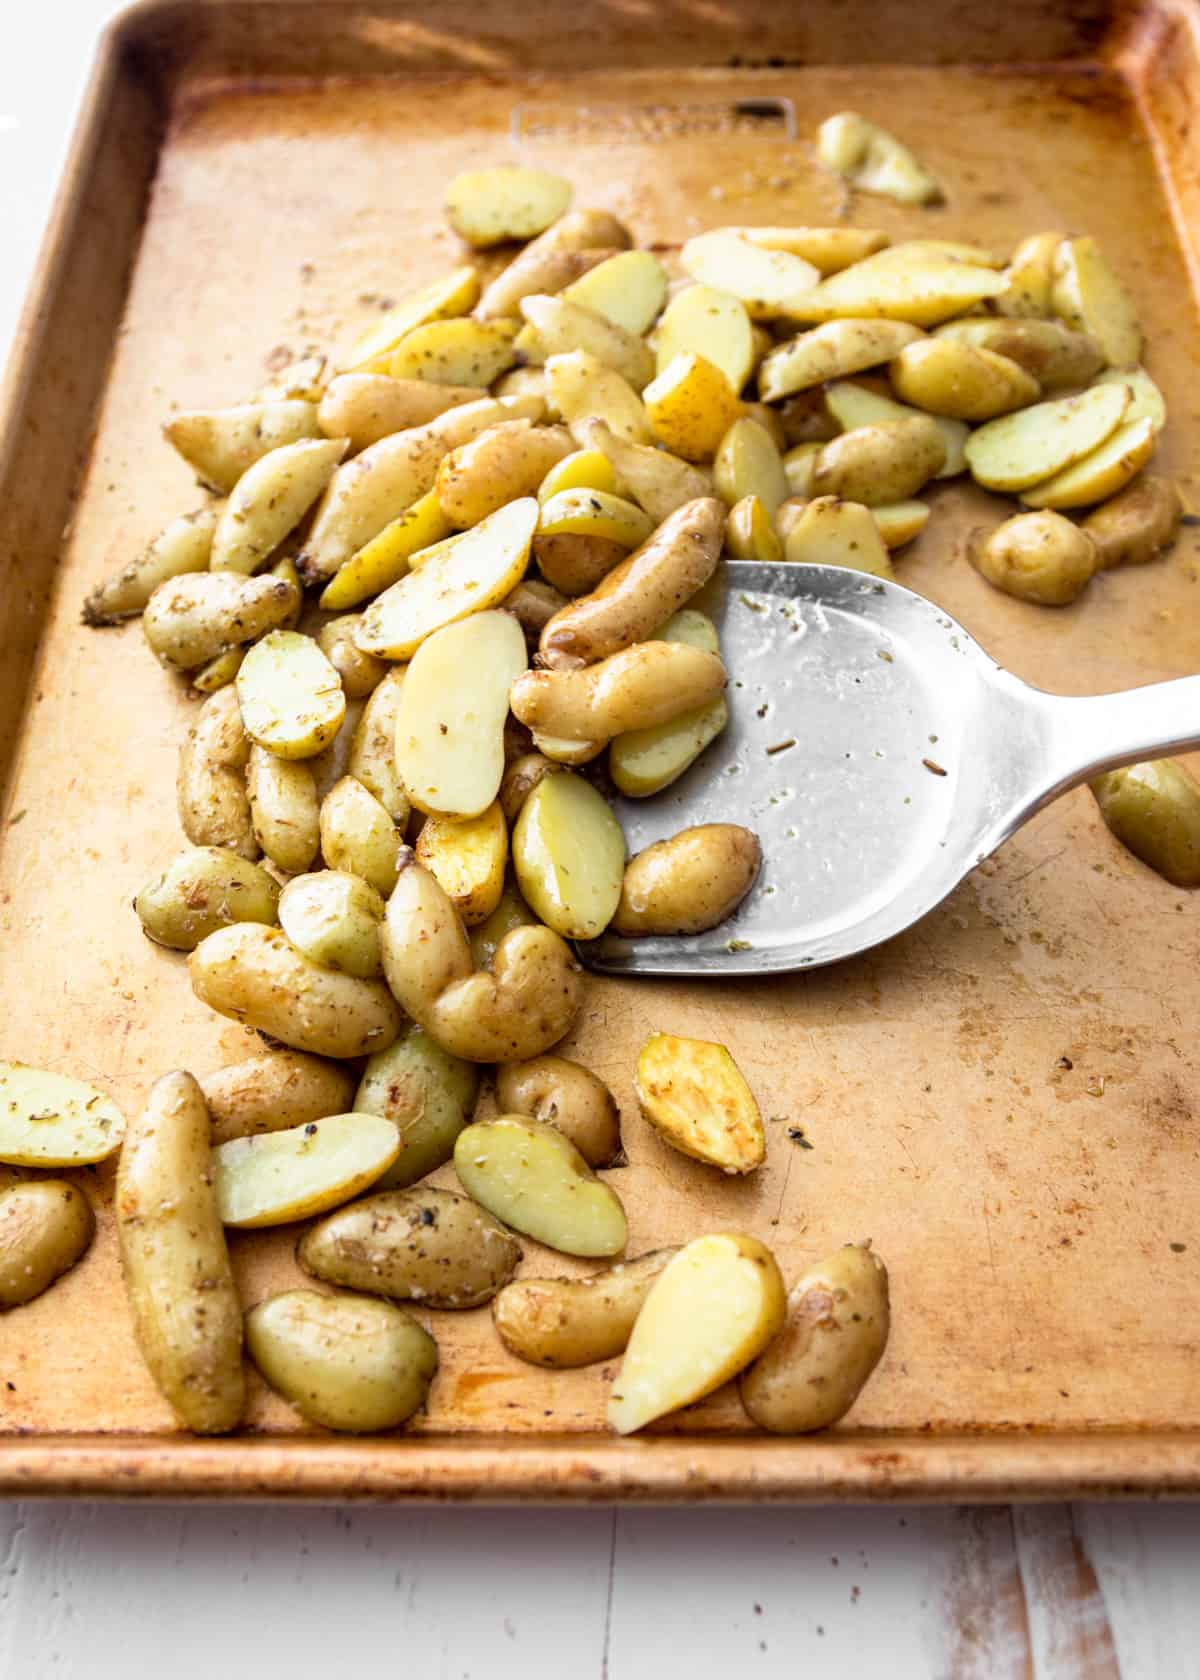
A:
(276, 1178)
(569, 855)
(537, 271)
(334, 917)
(1102, 473)
(372, 759)
(749, 533)
(364, 407)
(489, 206)
(359, 836)
(1029, 278)
(428, 1095)
(1136, 525)
(1038, 557)
(637, 688)
(713, 324)
(580, 387)
(284, 809)
(386, 558)
(690, 883)
(449, 295)
(499, 466)
(269, 500)
(461, 351)
(851, 405)
(594, 513)
(1086, 293)
(203, 889)
(644, 761)
(961, 381)
(566, 1095)
(189, 620)
(46, 1227)
(562, 1323)
(291, 697)
(273, 1092)
(697, 1100)
(221, 444)
(554, 326)
(922, 286)
(769, 282)
(50, 1120)
(1028, 447)
(829, 532)
(183, 547)
(533, 1179)
(628, 288)
(657, 480)
(1154, 810)
(831, 352)
(827, 248)
(871, 160)
(360, 673)
(211, 797)
(886, 462)
(1051, 352)
(533, 603)
(575, 563)
(577, 231)
(748, 463)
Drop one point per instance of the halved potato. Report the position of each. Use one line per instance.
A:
(870, 159)
(290, 695)
(428, 1095)
(962, 381)
(275, 1178)
(1038, 557)
(554, 326)
(359, 835)
(644, 761)
(585, 469)
(1053, 353)
(1086, 293)
(1146, 400)
(851, 404)
(562, 1323)
(749, 533)
(372, 755)
(461, 351)
(333, 917)
(691, 406)
(1137, 525)
(489, 206)
(182, 547)
(221, 444)
(1103, 473)
(450, 294)
(657, 480)
(712, 323)
(885, 462)
(1030, 446)
(688, 883)
(594, 513)
(827, 248)
(767, 281)
(269, 500)
(833, 533)
(365, 407)
(798, 467)
(385, 559)
(46, 1227)
(628, 288)
(1029, 277)
(748, 463)
(530, 1176)
(501, 465)
(580, 388)
(830, 352)
(697, 1100)
(540, 266)
(920, 287)
(50, 1120)
(467, 855)
(900, 522)
(1154, 809)
(569, 855)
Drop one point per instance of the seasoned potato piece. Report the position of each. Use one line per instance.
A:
(1146, 400)
(566, 1322)
(554, 326)
(649, 683)
(467, 856)
(1053, 353)
(830, 352)
(584, 469)
(749, 533)
(531, 1177)
(852, 405)
(836, 1330)
(360, 673)
(221, 444)
(900, 522)
(203, 889)
(1026, 448)
(334, 917)
(696, 1099)
(1103, 473)
(189, 620)
(711, 1311)
(275, 1178)
(657, 480)
(306, 376)
(580, 388)
(540, 270)
(629, 289)
(833, 533)
(489, 206)
(426, 1245)
(219, 672)
(690, 883)
(569, 855)
(183, 547)
(748, 463)
(1154, 810)
(290, 696)
(349, 1364)
(871, 160)
(904, 283)
(768, 418)
(568, 1096)
(505, 462)
(826, 248)
(428, 1095)
(886, 462)
(713, 324)
(273, 1092)
(1137, 525)
(962, 381)
(256, 975)
(526, 382)
(372, 759)
(178, 1278)
(593, 513)
(329, 766)
(462, 351)
(364, 407)
(385, 559)
(562, 750)
(269, 500)
(579, 231)
(46, 1227)
(449, 731)
(523, 1006)
(511, 912)
(533, 603)
(214, 809)
(1087, 295)
(450, 294)
(359, 835)
(646, 760)
(49, 1120)
(691, 406)
(466, 574)
(798, 467)
(767, 281)
(1029, 277)
(1036, 557)
(664, 573)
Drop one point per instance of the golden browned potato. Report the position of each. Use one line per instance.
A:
(836, 1330)
(691, 406)
(565, 1322)
(428, 1095)
(505, 462)
(1154, 810)
(46, 1227)
(203, 889)
(694, 1095)
(533, 1178)
(961, 381)
(885, 462)
(689, 883)
(273, 1092)
(1038, 557)
(177, 1274)
(642, 685)
(211, 797)
(1137, 525)
(467, 856)
(365, 407)
(567, 1095)
(431, 1246)
(750, 534)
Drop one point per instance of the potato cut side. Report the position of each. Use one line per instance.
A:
(595, 513)
(834, 533)
(628, 289)
(647, 760)
(714, 1309)
(768, 282)
(923, 289)
(531, 1177)
(871, 160)
(1029, 277)
(580, 388)
(827, 248)
(657, 480)
(1086, 293)
(749, 532)
(489, 206)
(290, 695)
(466, 574)
(278, 1177)
(451, 712)
(1032, 445)
(384, 560)
(222, 443)
(455, 293)
(900, 522)
(554, 326)
(1101, 474)
(1146, 400)
(748, 463)
(712, 323)
(1053, 353)
(691, 405)
(462, 351)
(427, 1094)
(585, 469)
(467, 856)
(49, 1120)
(830, 352)
(569, 855)
(695, 1097)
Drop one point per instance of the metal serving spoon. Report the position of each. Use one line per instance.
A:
(879, 755)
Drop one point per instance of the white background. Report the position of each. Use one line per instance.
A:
(590, 1595)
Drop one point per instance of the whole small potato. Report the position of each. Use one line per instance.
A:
(343, 1362)
(432, 1246)
(1038, 557)
(210, 790)
(46, 1226)
(649, 683)
(334, 918)
(365, 407)
(505, 462)
(833, 1338)
(428, 1095)
(689, 883)
(190, 619)
(1137, 525)
(566, 1322)
(358, 835)
(1154, 809)
(273, 1092)
(566, 1095)
(284, 809)
(184, 546)
(885, 462)
(204, 889)
(961, 381)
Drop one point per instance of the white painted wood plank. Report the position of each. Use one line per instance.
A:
(1147, 1561)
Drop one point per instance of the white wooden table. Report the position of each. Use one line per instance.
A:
(958, 1594)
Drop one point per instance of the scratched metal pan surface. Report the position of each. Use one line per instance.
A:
(1005, 1099)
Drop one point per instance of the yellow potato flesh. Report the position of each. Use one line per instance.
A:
(594, 513)
(581, 388)
(277, 1177)
(585, 469)
(290, 695)
(1146, 400)
(467, 857)
(693, 1094)
(646, 760)
(554, 326)
(834, 533)
(457, 352)
(385, 559)
(628, 289)
(49, 1120)
(531, 1177)
(490, 206)
(749, 533)
(333, 917)
(713, 324)
(1028, 277)
(1101, 474)
(768, 282)
(453, 294)
(922, 290)
(569, 855)
(1032, 445)
(872, 160)
(827, 248)
(900, 522)
(749, 464)
(691, 405)
(714, 1309)
(1087, 294)
(830, 352)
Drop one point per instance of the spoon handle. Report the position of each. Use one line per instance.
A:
(1103, 731)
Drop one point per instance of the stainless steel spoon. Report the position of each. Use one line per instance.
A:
(879, 755)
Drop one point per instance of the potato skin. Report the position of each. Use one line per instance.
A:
(177, 1274)
(1038, 557)
(561, 1323)
(1137, 525)
(192, 618)
(1154, 810)
(535, 1179)
(520, 778)
(885, 462)
(46, 1227)
(427, 1094)
(350, 1364)
(576, 563)
(426, 1245)
(203, 889)
(210, 790)
(688, 883)
(274, 1092)
(567, 1096)
(834, 1336)
(649, 683)
(365, 407)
